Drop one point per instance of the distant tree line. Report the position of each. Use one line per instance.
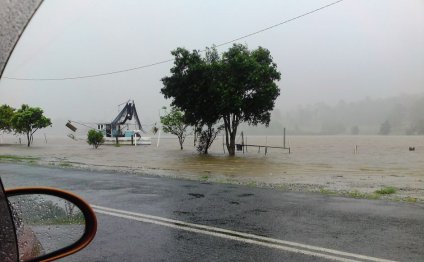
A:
(25, 120)
(401, 115)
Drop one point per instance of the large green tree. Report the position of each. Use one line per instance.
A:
(6, 114)
(27, 120)
(192, 86)
(173, 123)
(237, 86)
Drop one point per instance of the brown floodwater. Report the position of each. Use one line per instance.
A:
(330, 161)
(309, 154)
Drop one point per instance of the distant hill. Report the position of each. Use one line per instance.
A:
(400, 115)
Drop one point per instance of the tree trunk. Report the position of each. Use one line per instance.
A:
(29, 139)
(208, 141)
(231, 124)
(181, 142)
(232, 146)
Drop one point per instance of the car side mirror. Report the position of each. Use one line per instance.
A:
(48, 223)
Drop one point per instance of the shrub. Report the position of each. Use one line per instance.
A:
(95, 138)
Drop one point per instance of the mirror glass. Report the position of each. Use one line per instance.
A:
(8, 248)
(44, 224)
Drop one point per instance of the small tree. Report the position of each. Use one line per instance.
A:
(173, 123)
(6, 114)
(27, 120)
(95, 138)
(206, 138)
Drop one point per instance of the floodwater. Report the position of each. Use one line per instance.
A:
(333, 162)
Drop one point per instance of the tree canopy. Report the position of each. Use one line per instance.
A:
(6, 114)
(27, 120)
(237, 86)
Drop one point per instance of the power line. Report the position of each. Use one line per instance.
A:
(170, 60)
(90, 76)
(281, 23)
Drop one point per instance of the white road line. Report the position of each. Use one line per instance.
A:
(240, 236)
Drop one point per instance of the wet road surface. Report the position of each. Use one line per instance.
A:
(144, 218)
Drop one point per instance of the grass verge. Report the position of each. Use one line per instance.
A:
(386, 191)
(65, 164)
(18, 158)
(357, 194)
(352, 194)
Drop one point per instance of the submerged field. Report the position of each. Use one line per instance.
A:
(326, 164)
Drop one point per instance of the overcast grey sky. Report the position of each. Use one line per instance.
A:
(354, 49)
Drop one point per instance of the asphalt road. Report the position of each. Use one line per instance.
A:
(146, 218)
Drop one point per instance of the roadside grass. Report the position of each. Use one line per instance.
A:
(327, 192)
(65, 164)
(374, 196)
(12, 158)
(62, 163)
(252, 184)
(281, 187)
(386, 190)
(357, 194)
(222, 181)
(410, 199)
(407, 199)
(352, 194)
(204, 178)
